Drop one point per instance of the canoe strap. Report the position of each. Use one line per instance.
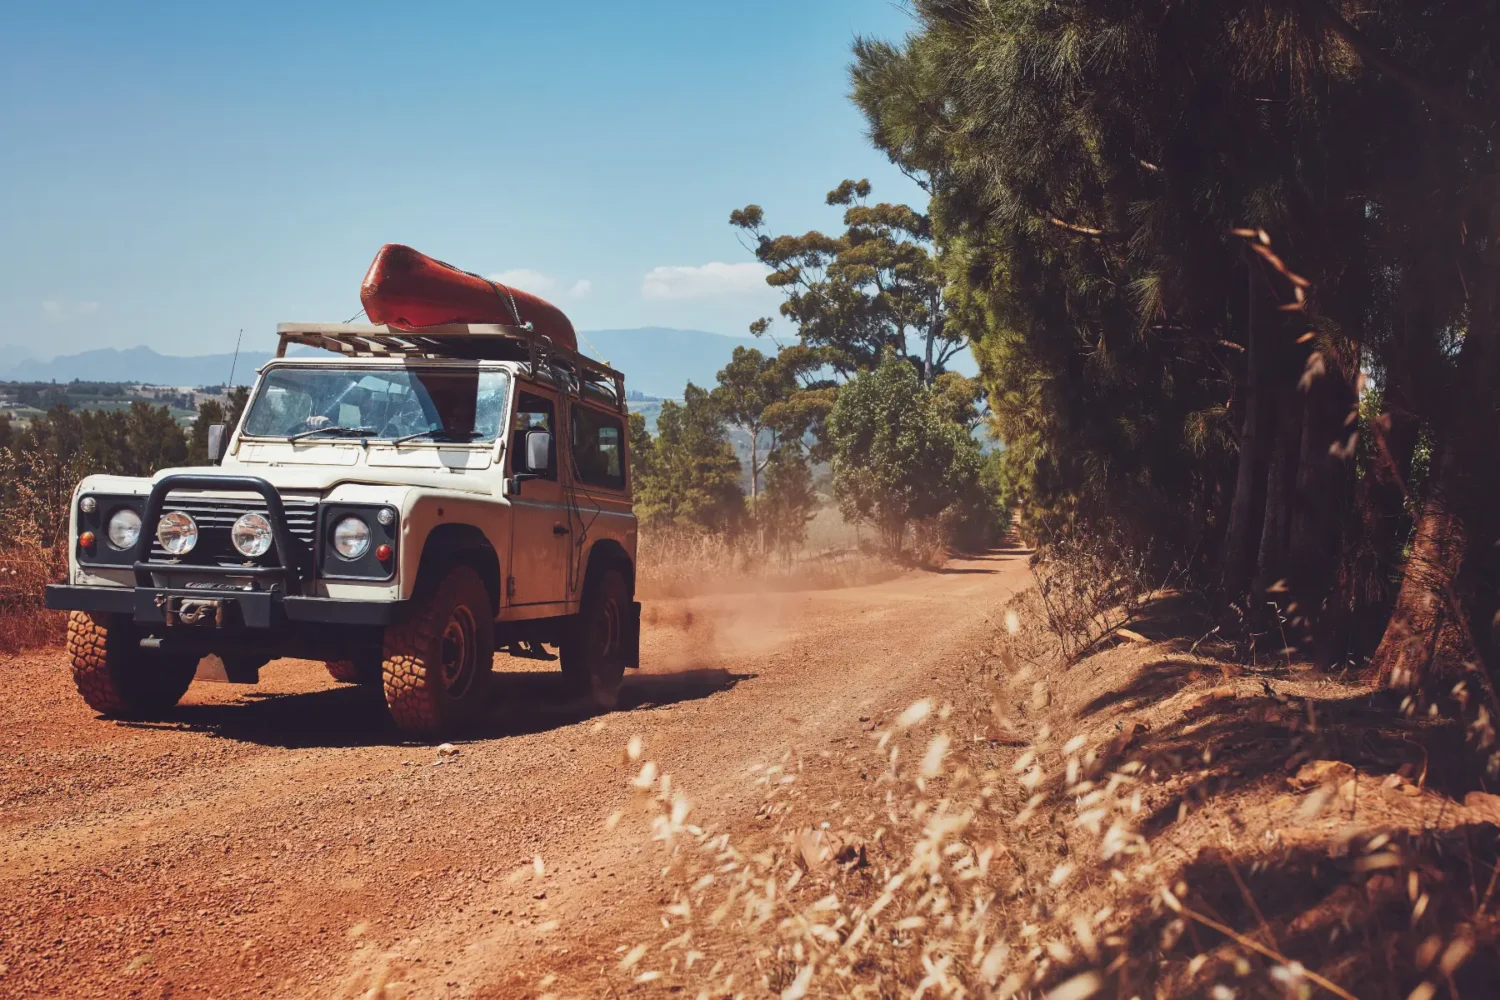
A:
(504, 296)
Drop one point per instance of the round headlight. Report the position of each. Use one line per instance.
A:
(251, 535)
(124, 528)
(177, 533)
(351, 538)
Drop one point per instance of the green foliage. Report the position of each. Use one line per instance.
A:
(688, 476)
(897, 457)
(877, 285)
(765, 396)
(239, 398)
(1087, 164)
(642, 452)
(210, 413)
(788, 503)
(46, 460)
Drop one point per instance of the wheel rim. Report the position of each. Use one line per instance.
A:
(609, 629)
(458, 652)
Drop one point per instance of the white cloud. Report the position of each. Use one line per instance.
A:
(528, 280)
(543, 284)
(59, 311)
(703, 281)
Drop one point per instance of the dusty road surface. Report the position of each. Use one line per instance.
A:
(282, 841)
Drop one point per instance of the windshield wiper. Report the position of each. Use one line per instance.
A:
(439, 432)
(334, 430)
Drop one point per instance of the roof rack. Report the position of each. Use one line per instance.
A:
(464, 341)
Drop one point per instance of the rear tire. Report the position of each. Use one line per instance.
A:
(116, 676)
(593, 650)
(437, 661)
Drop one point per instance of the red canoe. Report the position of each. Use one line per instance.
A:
(410, 291)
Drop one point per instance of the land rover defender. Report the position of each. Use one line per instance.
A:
(400, 508)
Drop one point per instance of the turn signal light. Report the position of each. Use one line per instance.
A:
(383, 552)
(86, 540)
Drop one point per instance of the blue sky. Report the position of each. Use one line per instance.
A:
(172, 172)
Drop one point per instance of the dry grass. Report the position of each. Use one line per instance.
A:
(25, 571)
(1148, 822)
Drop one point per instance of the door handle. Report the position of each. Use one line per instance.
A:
(558, 529)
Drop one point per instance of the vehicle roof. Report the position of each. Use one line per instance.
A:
(589, 393)
(463, 344)
(391, 361)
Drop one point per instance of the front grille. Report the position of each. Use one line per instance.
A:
(216, 515)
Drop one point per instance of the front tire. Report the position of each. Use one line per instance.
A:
(435, 663)
(366, 668)
(593, 650)
(118, 678)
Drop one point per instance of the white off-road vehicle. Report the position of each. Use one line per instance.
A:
(400, 510)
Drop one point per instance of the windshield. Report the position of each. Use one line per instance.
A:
(436, 404)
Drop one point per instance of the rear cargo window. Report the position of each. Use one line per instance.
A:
(598, 448)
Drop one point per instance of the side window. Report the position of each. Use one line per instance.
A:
(533, 411)
(599, 448)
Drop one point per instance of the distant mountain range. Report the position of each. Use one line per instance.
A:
(136, 364)
(657, 361)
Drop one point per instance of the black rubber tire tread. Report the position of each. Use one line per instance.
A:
(115, 676)
(411, 669)
(587, 670)
(342, 671)
(358, 670)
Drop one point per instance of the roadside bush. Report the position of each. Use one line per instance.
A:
(1092, 581)
(899, 460)
(39, 467)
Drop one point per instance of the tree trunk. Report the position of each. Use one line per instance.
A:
(1248, 504)
(1375, 533)
(934, 320)
(1271, 564)
(1325, 478)
(1426, 637)
(1446, 586)
(754, 460)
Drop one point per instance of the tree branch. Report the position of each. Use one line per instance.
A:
(1072, 228)
(1456, 108)
(954, 346)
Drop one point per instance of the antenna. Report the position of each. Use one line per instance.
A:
(591, 347)
(236, 362)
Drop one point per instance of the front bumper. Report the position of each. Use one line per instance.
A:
(240, 608)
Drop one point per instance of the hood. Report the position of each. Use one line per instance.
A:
(322, 478)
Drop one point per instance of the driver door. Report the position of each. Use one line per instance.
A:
(540, 527)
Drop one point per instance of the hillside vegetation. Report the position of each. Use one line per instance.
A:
(1231, 275)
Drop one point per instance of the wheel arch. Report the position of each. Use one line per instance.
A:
(607, 553)
(450, 545)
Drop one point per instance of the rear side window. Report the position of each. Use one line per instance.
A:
(599, 448)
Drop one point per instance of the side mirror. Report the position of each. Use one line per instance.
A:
(215, 442)
(538, 451)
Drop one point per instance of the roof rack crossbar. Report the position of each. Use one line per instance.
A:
(472, 341)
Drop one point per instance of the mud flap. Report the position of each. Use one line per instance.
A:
(633, 635)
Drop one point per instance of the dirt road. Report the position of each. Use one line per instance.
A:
(281, 841)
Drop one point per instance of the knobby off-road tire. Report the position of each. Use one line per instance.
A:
(437, 661)
(362, 669)
(116, 676)
(593, 650)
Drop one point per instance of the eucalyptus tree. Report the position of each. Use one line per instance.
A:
(876, 285)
